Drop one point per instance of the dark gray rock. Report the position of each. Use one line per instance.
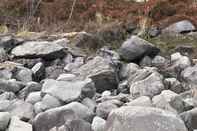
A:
(136, 48)
(36, 49)
(131, 118)
(101, 72)
(38, 71)
(17, 125)
(3, 55)
(174, 85)
(4, 120)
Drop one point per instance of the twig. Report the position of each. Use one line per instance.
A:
(72, 10)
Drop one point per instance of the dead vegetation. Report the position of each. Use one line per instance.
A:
(52, 15)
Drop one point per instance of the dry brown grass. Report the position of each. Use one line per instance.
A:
(53, 14)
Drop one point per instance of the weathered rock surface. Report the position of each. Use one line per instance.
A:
(143, 119)
(101, 72)
(38, 49)
(66, 91)
(17, 125)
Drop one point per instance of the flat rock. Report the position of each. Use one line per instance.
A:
(66, 91)
(17, 125)
(36, 49)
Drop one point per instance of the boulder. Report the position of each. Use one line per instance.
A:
(21, 109)
(58, 116)
(190, 119)
(4, 120)
(170, 101)
(38, 49)
(136, 48)
(11, 85)
(101, 72)
(17, 125)
(34, 97)
(23, 74)
(98, 124)
(189, 75)
(50, 101)
(180, 27)
(104, 108)
(133, 118)
(146, 82)
(66, 77)
(66, 91)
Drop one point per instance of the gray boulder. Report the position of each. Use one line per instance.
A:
(170, 101)
(190, 119)
(34, 97)
(56, 117)
(180, 27)
(78, 125)
(50, 101)
(36, 49)
(17, 125)
(103, 109)
(66, 91)
(136, 48)
(11, 85)
(21, 109)
(98, 124)
(101, 72)
(189, 75)
(131, 118)
(4, 120)
(146, 82)
(24, 74)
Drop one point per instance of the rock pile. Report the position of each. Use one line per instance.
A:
(50, 86)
